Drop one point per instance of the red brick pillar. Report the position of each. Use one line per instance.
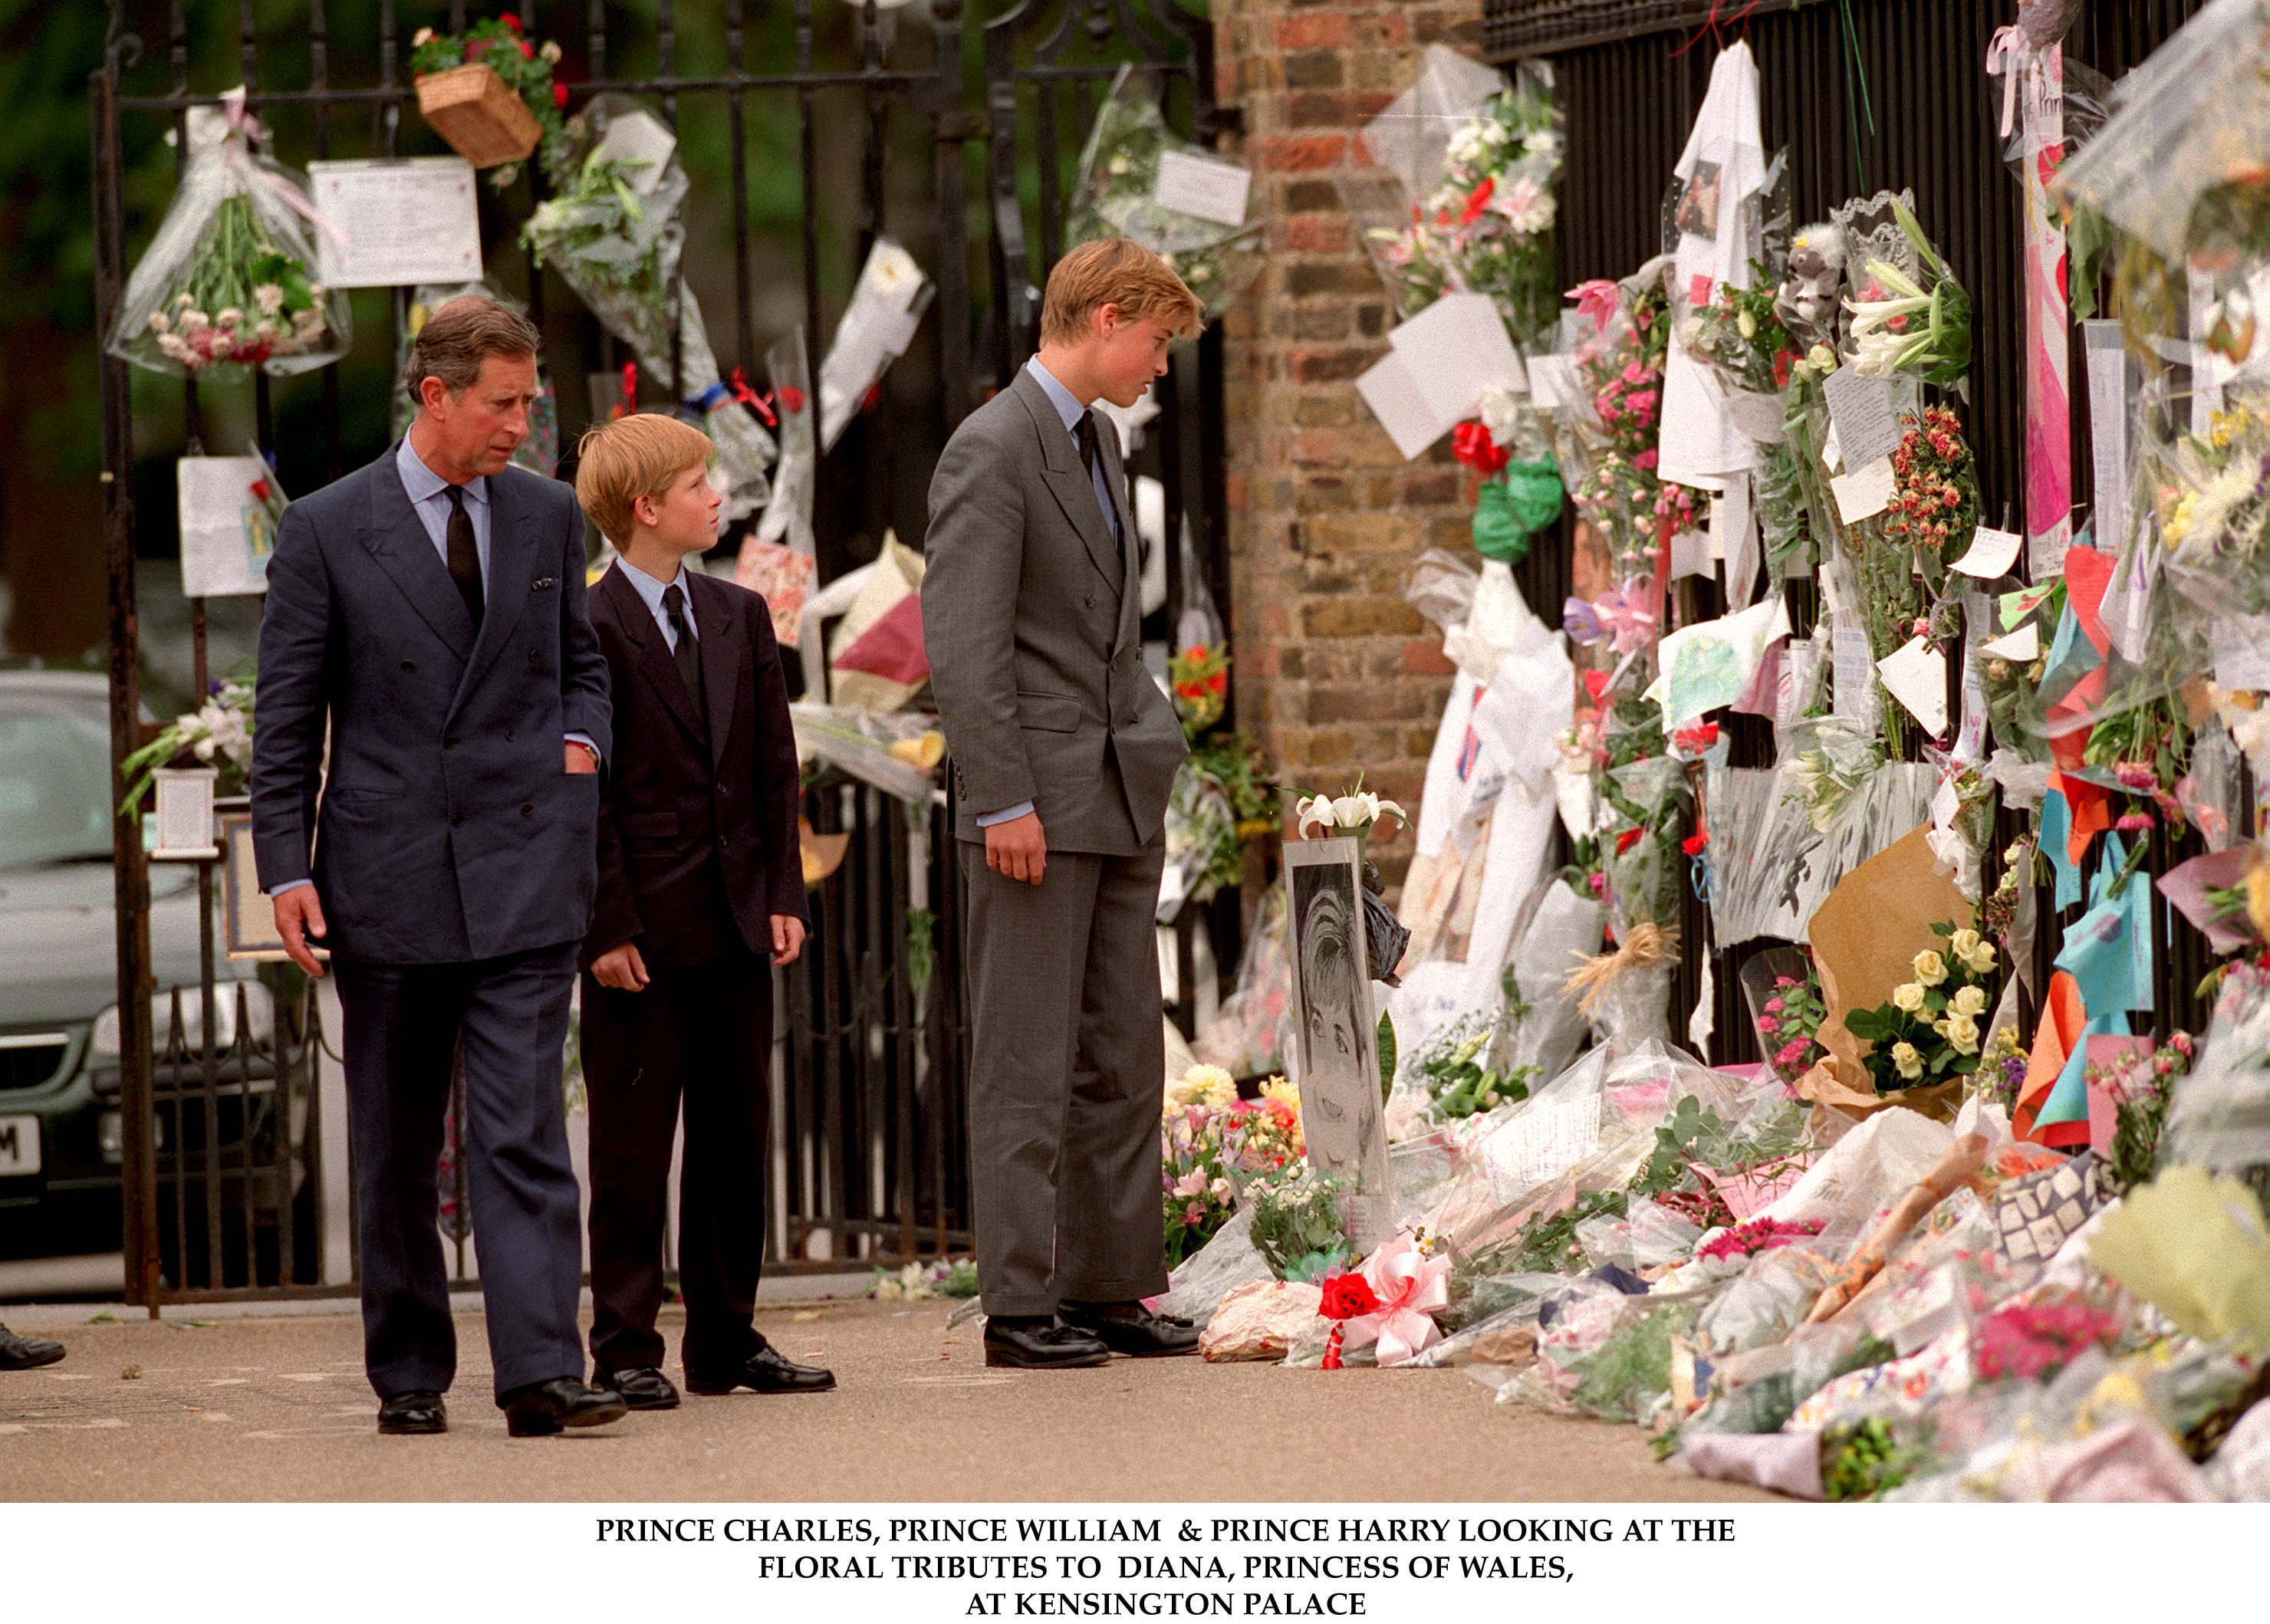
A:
(1335, 674)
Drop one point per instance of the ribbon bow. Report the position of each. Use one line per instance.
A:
(753, 401)
(1624, 616)
(1412, 1287)
(1471, 444)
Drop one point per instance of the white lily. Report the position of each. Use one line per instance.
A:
(1348, 814)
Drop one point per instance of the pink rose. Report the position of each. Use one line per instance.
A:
(1773, 1006)
(1768, 1024)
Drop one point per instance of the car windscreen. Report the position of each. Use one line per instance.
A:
(55, 782)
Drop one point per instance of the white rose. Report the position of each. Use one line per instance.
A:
(1963, 943)
(1969, 1001)
(1908, 997)
(1930, 968)
(1961, 1035)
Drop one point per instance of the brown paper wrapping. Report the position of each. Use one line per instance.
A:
(1950, 1172)
(1865, 938)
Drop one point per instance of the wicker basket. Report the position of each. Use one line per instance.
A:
(478, 115)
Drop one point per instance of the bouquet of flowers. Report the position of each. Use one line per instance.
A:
(923, 1282)
(1457, 1081)
(1520, 494)
(615, 233)
(1786, 1011)
(1826, 761)
(501, 44)
(1222, 796)
(1742, 337)
(1299, 1225)
(1622, 367)
(1117, 195)
(1929, 1030)
(1760, 1234)
(1200, 678)
(1195, 1178)
(226, 281)
(1916, 323)
(1488, 228)
(2141, 1087)
(1935, 506)
(2210, 494)
(217, 734)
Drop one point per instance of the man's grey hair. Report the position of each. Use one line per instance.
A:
(459, 336)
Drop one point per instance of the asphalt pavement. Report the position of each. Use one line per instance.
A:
(250, 1407)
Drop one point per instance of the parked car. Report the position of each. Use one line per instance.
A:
(60, 1128)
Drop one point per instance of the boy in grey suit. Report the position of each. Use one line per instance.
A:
(1063, 750)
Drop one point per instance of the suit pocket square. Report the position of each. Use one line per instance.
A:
(542, 583)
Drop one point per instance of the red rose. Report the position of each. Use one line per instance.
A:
(1348, 1296)
(558, 96)
(1693, 844)
(510, 20)
(526, 49)
(1216, 683)
(1626, 841)
(1477, 202)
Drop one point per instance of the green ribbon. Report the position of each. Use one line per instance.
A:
(1510, 513)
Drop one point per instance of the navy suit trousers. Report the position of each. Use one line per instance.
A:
(404, 1022)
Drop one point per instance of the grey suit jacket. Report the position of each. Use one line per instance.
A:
(449, 830)
(1030, 617)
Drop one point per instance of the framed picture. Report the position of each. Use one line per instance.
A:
(251, 921)
(1336, 1032)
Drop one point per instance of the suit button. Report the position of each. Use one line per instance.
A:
(1091, 600)
(527, 809)
(410, 665)
(456, 820)
(535, 658)
(449, 744)
(508, 736)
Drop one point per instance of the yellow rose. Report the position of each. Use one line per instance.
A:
(1963, 943)
(1962, 1034)
(1908, 997)
(1981, 961)
(1930, 968)
(1907, 1061)
(1969, 1001)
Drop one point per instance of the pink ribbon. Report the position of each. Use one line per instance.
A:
(1412, 1289)
(248, 132)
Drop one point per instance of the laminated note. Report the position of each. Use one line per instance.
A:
(1990, 554)
(396, 222)
(1207, 188)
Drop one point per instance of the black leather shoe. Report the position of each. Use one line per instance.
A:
(1131, 1329)
(645, 1389)
(768, 1371)
(26, 1353)
(409, 1412)
(1041, 1344)
(543, 1408)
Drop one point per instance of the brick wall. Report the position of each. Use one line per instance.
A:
(1335, 673)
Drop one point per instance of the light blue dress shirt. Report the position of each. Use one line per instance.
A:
(1068, 408)
(651, 591)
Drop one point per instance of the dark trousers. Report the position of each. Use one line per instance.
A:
(404, 1022)
(1067, 1062)
(701, 1034)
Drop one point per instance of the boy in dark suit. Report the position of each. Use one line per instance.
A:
(700, 883)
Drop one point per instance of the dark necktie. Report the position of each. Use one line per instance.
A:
(1084, 434)
(464, 556)
(689, 657)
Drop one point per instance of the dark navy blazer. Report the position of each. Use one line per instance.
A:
(449, 829)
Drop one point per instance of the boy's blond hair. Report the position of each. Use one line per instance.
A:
(636, 456)
(1112, 271)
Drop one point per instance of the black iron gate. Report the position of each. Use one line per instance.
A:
(891, 122)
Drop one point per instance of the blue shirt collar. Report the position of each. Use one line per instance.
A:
(1067, 405)
(421, 482)
(651, 591)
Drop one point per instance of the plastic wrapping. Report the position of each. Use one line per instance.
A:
(229, 278)
(898, 751)
(1117, 195)
(1441, 587)
(888, 305)
(539, 453)
(1248, 1037)
(2219, 1117)
(616, 236)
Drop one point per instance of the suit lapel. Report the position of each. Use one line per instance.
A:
(655, 663)
(396, 538)
(718, 629)
(513, 525)
(1067, 477)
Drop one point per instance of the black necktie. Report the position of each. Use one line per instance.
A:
(1084, 434)
(464, 556)
(689, 657)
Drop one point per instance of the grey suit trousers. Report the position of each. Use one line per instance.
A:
(1067, 1055)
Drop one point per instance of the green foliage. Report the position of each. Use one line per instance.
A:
(1386, 1040)
(1865, 1460)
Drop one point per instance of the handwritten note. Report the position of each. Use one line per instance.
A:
(2108, 416)
(1864, 495)
(396, 222)
(1916, 675)
(1990, 554)
(1853, 671)
(1207, 188)
(228, 508)
(1862, 409)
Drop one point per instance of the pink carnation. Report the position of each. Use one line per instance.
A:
(1768, 1024)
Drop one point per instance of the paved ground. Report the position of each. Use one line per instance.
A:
(276, 1408)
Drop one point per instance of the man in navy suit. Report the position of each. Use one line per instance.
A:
(430, 609)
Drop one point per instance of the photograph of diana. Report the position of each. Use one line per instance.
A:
(1339, 1081)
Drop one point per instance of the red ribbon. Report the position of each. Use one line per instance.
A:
(1471, 444)
(629, 402)
(749, 397)
(1712, 23)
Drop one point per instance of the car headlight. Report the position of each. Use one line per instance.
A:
(259, 1021)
